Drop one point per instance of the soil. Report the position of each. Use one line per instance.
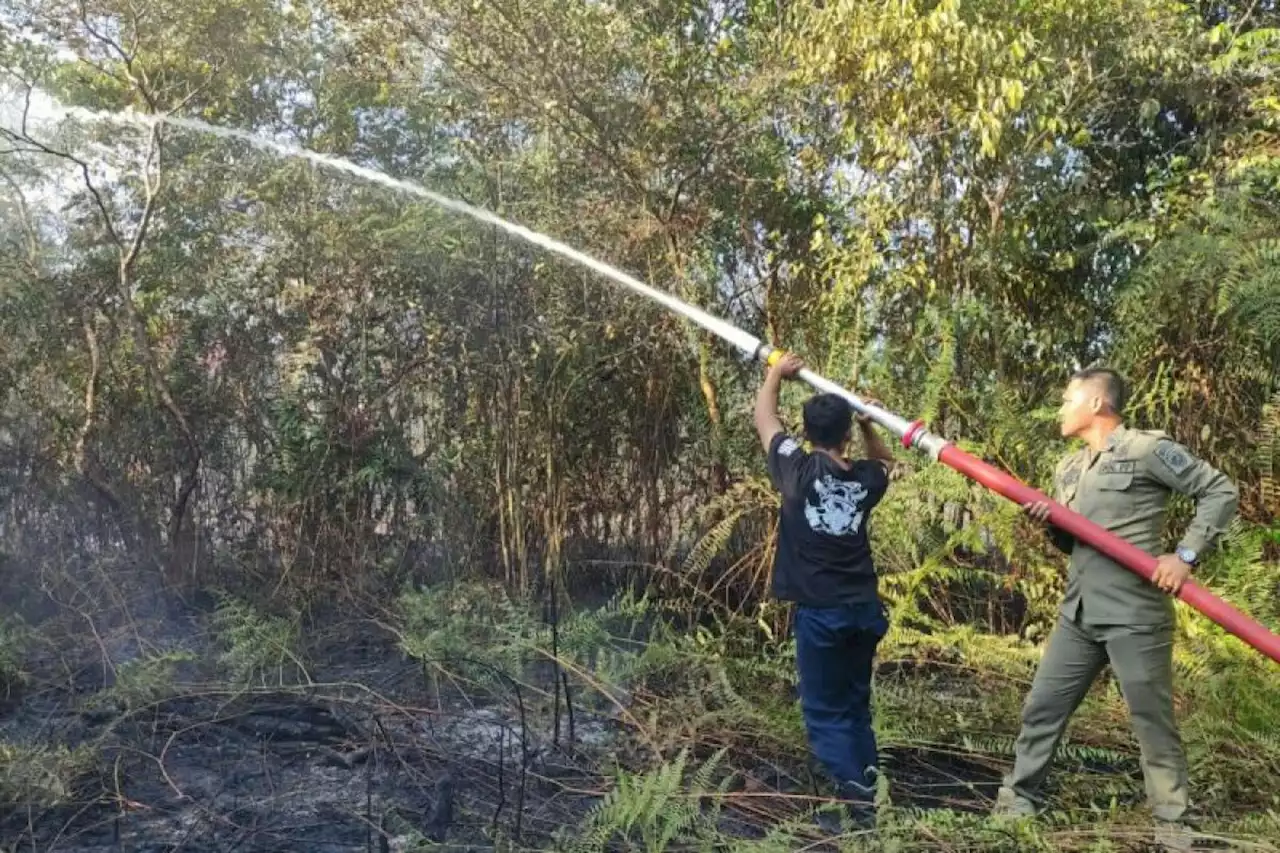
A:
(367, 757)
(367, 761)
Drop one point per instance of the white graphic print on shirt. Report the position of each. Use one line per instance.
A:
(839, 510)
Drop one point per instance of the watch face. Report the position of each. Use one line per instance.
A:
(1186, 555)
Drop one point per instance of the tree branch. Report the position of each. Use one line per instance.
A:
(151, 179)
(142, 87)
(28, 228)
(90, 396)
(128, 258)
(24, 137)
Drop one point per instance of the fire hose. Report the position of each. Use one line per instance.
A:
(914, 435)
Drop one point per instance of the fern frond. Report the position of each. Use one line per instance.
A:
(941, 372)
(42, 776)
(655, 808)
(712, 543)
(1087, 754)
(255, 645)
(1268, 436)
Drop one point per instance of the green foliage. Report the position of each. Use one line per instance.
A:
(316, 392)
(946, 829)
(1231, 736)
(471, 627)
(41, 777)
(672, 807)
(1241, 572)
(1268, 456)
(14, 639)
(143, 681)
(257, 649)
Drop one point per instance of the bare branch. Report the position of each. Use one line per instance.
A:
(196, 92)
(37, 147)
(126, 57)
(152, 179)
(26, 107)
(152, 185)
(24, 137)
(90, 396)
(28, 227)
(135, 46)
(1244, 19)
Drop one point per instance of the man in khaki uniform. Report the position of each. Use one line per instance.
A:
(1121, 480)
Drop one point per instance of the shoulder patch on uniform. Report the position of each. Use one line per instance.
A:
(1174, 457)
(788, 447)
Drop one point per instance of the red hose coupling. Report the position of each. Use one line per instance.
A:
(913, 432)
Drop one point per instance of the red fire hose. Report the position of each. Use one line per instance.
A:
(914, 435)
(1127, 555)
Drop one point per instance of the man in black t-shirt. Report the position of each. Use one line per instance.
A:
(823, 564)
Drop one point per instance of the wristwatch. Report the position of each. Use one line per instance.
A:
(1186, 555)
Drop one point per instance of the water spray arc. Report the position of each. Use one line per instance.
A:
(913, 434)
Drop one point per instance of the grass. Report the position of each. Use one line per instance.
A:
(715, 703)
(707, 748)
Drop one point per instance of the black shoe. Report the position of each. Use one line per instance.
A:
(861, 801)
(857, 793)
(859, 810)
(857, 818)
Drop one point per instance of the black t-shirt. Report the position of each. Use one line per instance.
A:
(824, 555)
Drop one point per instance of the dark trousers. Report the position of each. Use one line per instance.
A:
(835, 655)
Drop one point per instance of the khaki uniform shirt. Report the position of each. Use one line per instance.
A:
(1125, 489)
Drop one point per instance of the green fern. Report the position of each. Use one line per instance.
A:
(938, 383)
(41, 776)
(142, 681)
(589, 635)
(654, 811)
(750, 499)
(1251, 286)
(1266, 825)
(1224, 257)
(712, 543)
(1240, 572)
(1083, 753)
(1267, 458)
(256, 648)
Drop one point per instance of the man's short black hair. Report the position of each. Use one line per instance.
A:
(827, 418)
(1114, 388)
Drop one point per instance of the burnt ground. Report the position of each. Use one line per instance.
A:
(369, 760)
(367, 757)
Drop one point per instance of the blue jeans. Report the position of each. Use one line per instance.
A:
(835, 655)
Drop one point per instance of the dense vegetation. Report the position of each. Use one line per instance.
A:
(279, 404)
